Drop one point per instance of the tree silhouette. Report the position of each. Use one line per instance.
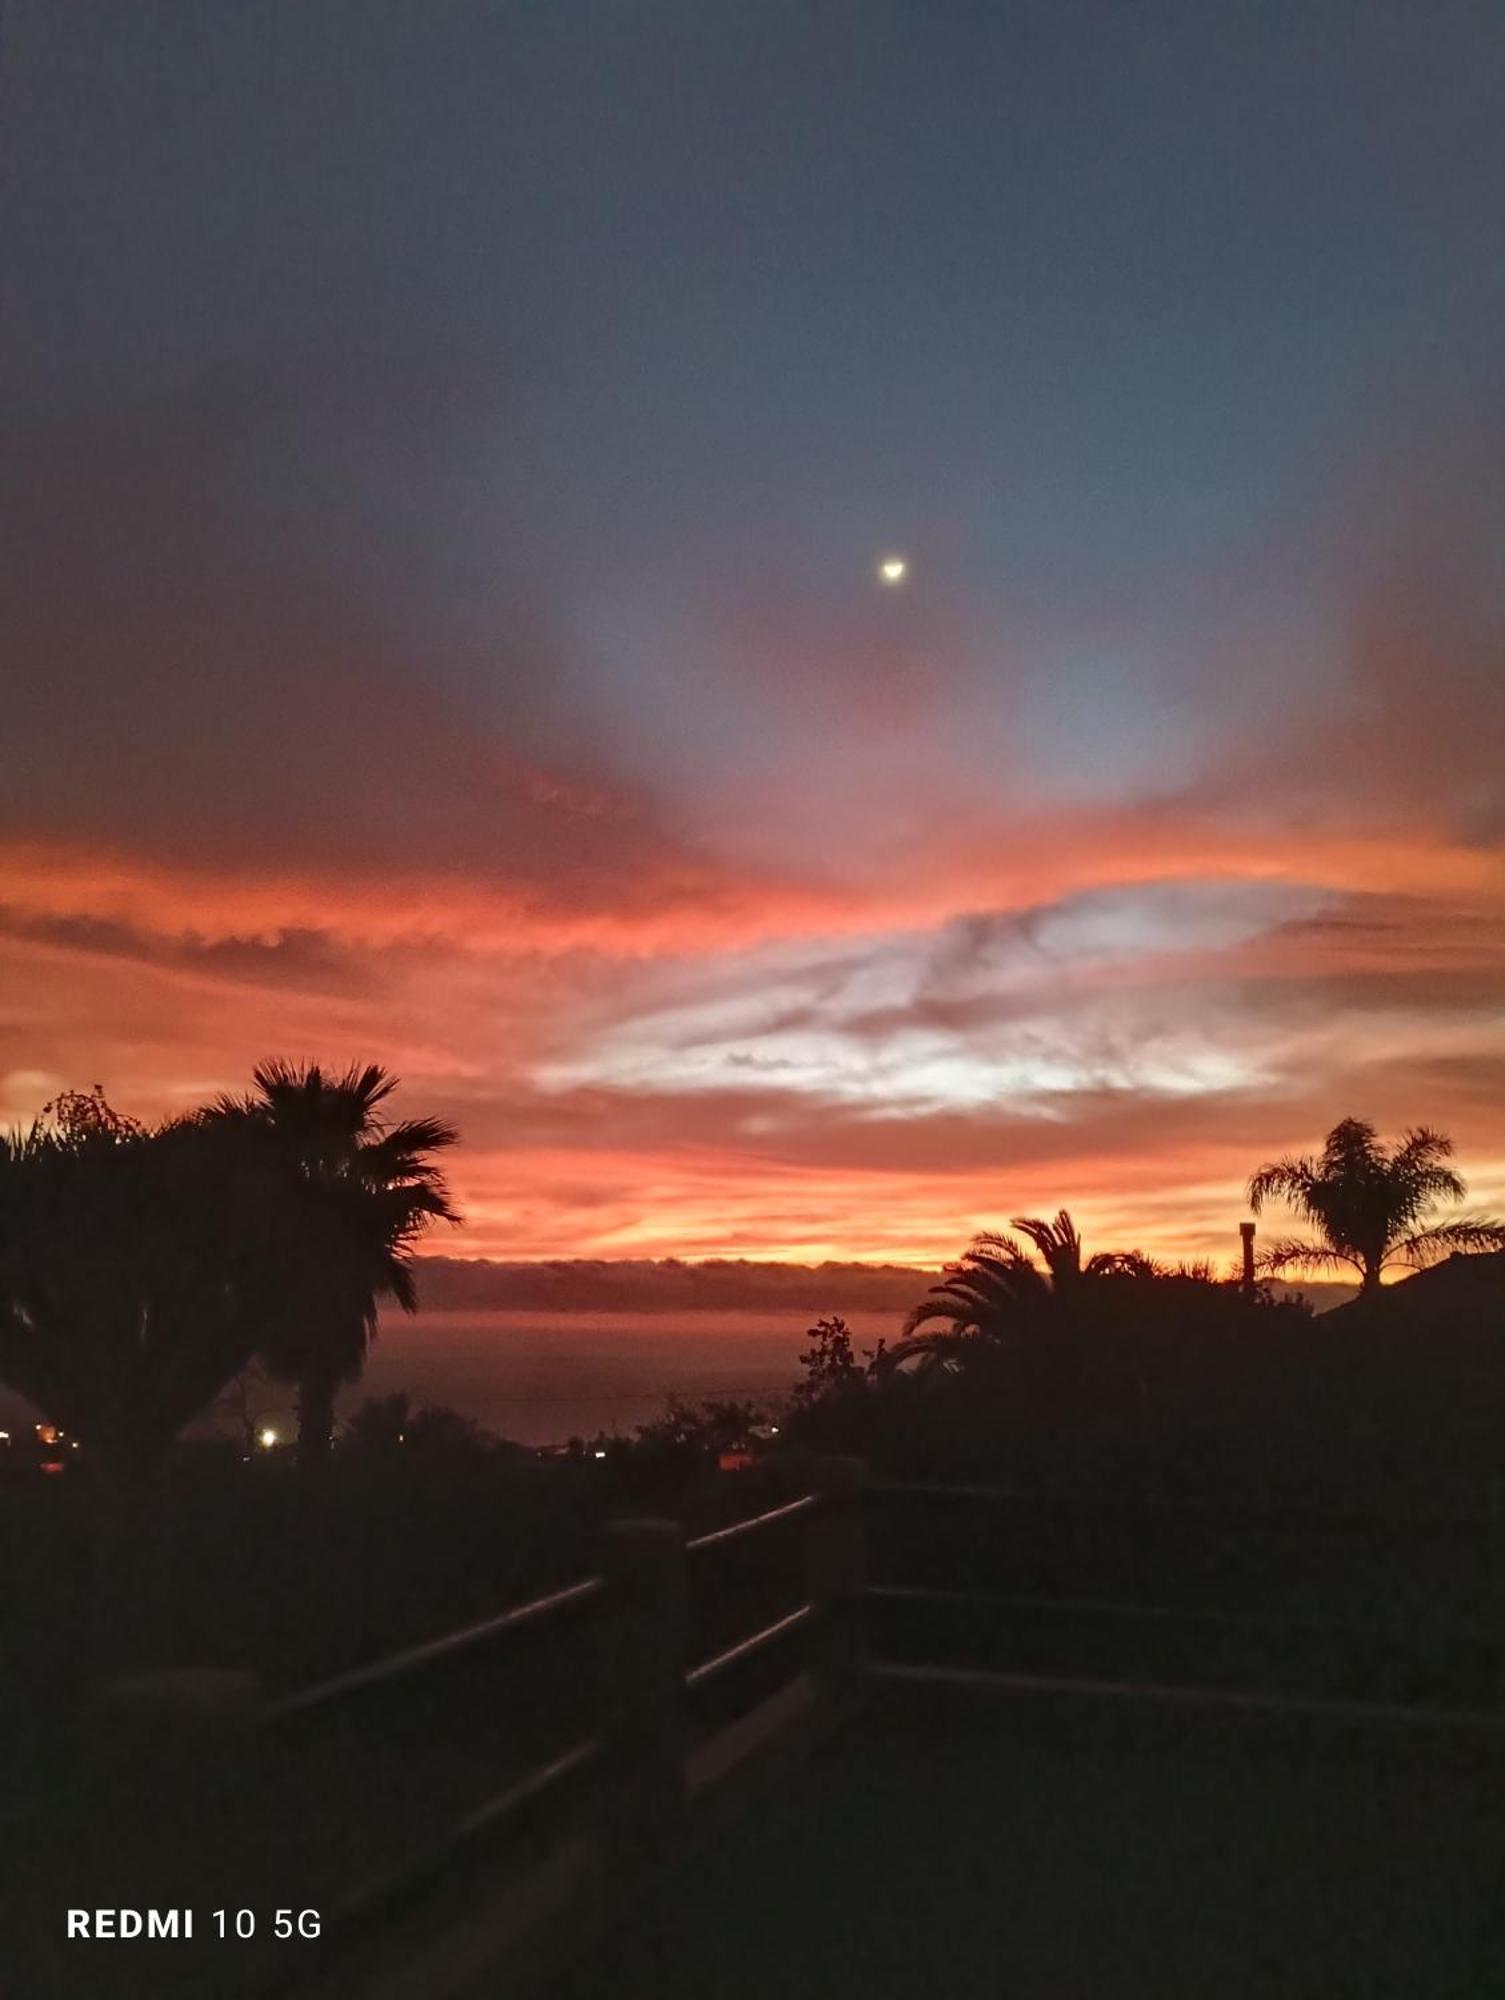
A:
(138, 1272)
(133, 1277)
(830, 1362)
(1060, 1247)
(994, 1290)
(88, 1114)
(366, 1192)
(382, 1425)
(1369, 1204)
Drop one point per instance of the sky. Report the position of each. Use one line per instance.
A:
(449, 451)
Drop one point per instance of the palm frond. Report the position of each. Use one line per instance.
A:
(1057, 1241)
(1286, 1179)
(1466, 1233)
(932, 1309)
(995, 1243)
(1292, 1253)
(1421, 1147)
(1122, 1264)
(954, 1300)
(402, 1285)
(998, 1275)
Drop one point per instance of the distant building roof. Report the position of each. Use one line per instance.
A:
(1466, 1274)
(1455, 1291)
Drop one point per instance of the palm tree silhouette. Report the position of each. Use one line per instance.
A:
(1061, 1247)
(995, 1292)
(366, 1192)
(1369, 1204)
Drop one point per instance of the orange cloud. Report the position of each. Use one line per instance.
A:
(805, 940)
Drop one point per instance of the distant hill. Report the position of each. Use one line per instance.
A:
(1322, 1296)
(667, 1284)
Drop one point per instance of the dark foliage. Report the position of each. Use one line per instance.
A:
(367, 1190)
(1370, 1205)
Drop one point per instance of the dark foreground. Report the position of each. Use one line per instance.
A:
(1008, 1849)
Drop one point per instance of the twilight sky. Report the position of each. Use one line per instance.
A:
(450, 446)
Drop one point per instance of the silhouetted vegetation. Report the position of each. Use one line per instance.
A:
(142, 1269)
(831, 1366)
(148, 1275)
(383, 1424)
(366, 1191)
(1369, 1206)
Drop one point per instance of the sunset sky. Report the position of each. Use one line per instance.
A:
(450, 449)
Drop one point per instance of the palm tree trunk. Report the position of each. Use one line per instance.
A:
(316, 1393)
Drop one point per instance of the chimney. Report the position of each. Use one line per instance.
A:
(1246, 1231)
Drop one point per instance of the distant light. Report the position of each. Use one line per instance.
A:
(4, 1437)
(599, 1454)
(773, 1430)
(893, 569)
(266, 1439)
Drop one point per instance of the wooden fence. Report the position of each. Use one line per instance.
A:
(364, 1805)
(461, 1815)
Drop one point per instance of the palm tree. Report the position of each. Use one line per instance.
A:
(983, 1294)
(995, 1292)
(366, 1191)
(1369, 1204)
(1061, 1247)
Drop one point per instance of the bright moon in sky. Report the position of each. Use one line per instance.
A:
(893, 569)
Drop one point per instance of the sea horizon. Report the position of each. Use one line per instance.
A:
(540, 1377)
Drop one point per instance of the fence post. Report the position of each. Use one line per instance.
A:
(645, 1637)
(836, 1578)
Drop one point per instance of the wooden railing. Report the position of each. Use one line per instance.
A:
(445, 1873)
(983, 1636)
(654, 1782)
(654, 1737)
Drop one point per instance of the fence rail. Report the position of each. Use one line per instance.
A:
(1175, 1614)
(738, 1530)
(1271, 1512)
(748, 1648)
(436, 1652)
(628, 1787)
(664, 1745)
(1256, 1701)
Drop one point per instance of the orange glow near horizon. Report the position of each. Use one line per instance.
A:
(870, 1080)
(852, 942)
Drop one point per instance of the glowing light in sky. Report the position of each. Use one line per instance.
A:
(724, 910)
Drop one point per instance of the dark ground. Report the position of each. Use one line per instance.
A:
(1041, 1849)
